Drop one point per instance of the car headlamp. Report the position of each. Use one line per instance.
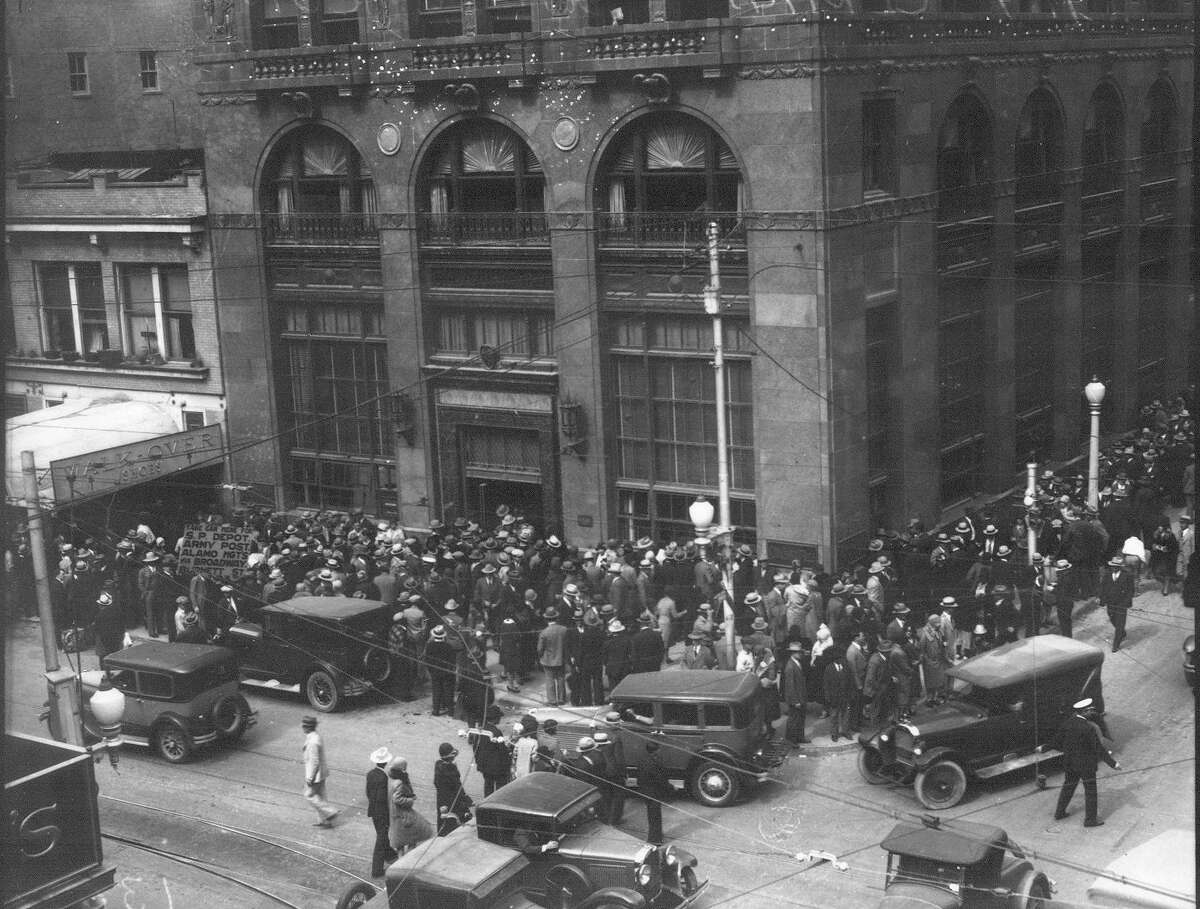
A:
(883, 737)
(645, 874)
(1189, 646)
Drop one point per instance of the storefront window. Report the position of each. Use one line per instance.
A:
(72, 304)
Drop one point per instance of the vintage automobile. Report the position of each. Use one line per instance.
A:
(178, 697)
(1003, 705)
(967, 866)
(329, 648)
(1189, 660)
(536, 843)
(709, 726)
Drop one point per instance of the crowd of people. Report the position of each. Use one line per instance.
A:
(870, 642)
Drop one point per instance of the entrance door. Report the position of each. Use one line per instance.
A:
(484, 496)
(502, 466)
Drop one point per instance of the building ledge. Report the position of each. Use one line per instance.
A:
(76, 368)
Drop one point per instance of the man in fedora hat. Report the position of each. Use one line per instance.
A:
(316, 771)
(617, 655)
(551, 651)
(378, 810)
(1116, 596)
(795, 694)
(698, 654)
(646, 650)
(1079, 740)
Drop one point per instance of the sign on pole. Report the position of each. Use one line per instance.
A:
(216, 551)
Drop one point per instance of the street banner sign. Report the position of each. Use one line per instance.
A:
(216, 551)
(113, 469)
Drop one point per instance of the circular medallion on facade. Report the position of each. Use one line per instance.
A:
(566, 133)
(389, 138)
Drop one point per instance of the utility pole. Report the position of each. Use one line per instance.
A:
(722, 533)
(1030, 501)
(64, 706)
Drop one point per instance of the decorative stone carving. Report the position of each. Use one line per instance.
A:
(219, 14)
(464, 94)
(655, 86)
(380, 12)
(302, 102)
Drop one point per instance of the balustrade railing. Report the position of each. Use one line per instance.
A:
(291, 66)
(318, 228)
(648, 44)
(632, 229)
(485, 228)
(458, 56)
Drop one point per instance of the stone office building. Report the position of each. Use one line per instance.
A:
(458, 250)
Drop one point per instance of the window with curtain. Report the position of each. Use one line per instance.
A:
(74, 315)
(156, 311)
(1038, 153)
(1103, 129)
(665, 178)
(964, 164)
(319, 190)
(481, 182)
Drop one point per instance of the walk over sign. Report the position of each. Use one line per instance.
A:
(113, 469)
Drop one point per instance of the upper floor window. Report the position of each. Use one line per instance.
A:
(148, 69)
(78, 74)
(1103, 134)
(1159, 132)
(964, 163)
(72, 306)
(480, 181)
(338, 22)
(318, 189)
(276, 23)
(1039, 151)
(664, 178)
(879, 145)
(9, 86)
(156, 311)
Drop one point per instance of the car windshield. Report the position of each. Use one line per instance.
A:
(990, 700)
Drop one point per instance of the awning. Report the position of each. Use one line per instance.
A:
(88, 447)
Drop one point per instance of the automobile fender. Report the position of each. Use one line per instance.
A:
(174, 719)
(614, 896)
(933, 755)
(683, 858)
(719, 754)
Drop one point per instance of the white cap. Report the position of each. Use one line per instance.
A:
(1083, 705)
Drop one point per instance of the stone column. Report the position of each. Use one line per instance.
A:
(1122, 389)
(999, 424)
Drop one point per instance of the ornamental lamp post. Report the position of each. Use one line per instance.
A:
(108, 707)
(1094, 393)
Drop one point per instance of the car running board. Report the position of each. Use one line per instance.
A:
(1004, 767)
(273, 684)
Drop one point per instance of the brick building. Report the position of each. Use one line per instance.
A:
(110, 279)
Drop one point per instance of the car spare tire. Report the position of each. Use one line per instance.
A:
(231, 716)
(377, 665)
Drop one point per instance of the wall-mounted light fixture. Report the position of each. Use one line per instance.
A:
(404, 417)
(572, 425)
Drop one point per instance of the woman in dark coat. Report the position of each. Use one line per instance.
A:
(406, 827)
(1164, 550)
(475, 687)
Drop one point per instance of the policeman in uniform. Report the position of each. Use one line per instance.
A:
(1082, 750)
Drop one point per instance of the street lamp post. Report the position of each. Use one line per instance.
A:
(1094, 392)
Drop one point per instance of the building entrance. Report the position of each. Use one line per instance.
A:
(485, 495)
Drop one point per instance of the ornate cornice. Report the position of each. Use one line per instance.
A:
(798, 71)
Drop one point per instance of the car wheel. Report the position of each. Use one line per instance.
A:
(870, 767)
(716, 785)
(356, 896)
(1034, 893)
(688, 882)
(377, 665)
(941, 785)
(173, 742)
(322, 691)
(231, 716)
(567, 886)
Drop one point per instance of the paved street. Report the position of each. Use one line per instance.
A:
(240, 811)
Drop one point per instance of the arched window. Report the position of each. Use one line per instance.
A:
(318, 188)
(1103, 145)
(1159, 132)
(276, 23)
(964, 164)
(480, 181)
(1039, 151)
(662, 167)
